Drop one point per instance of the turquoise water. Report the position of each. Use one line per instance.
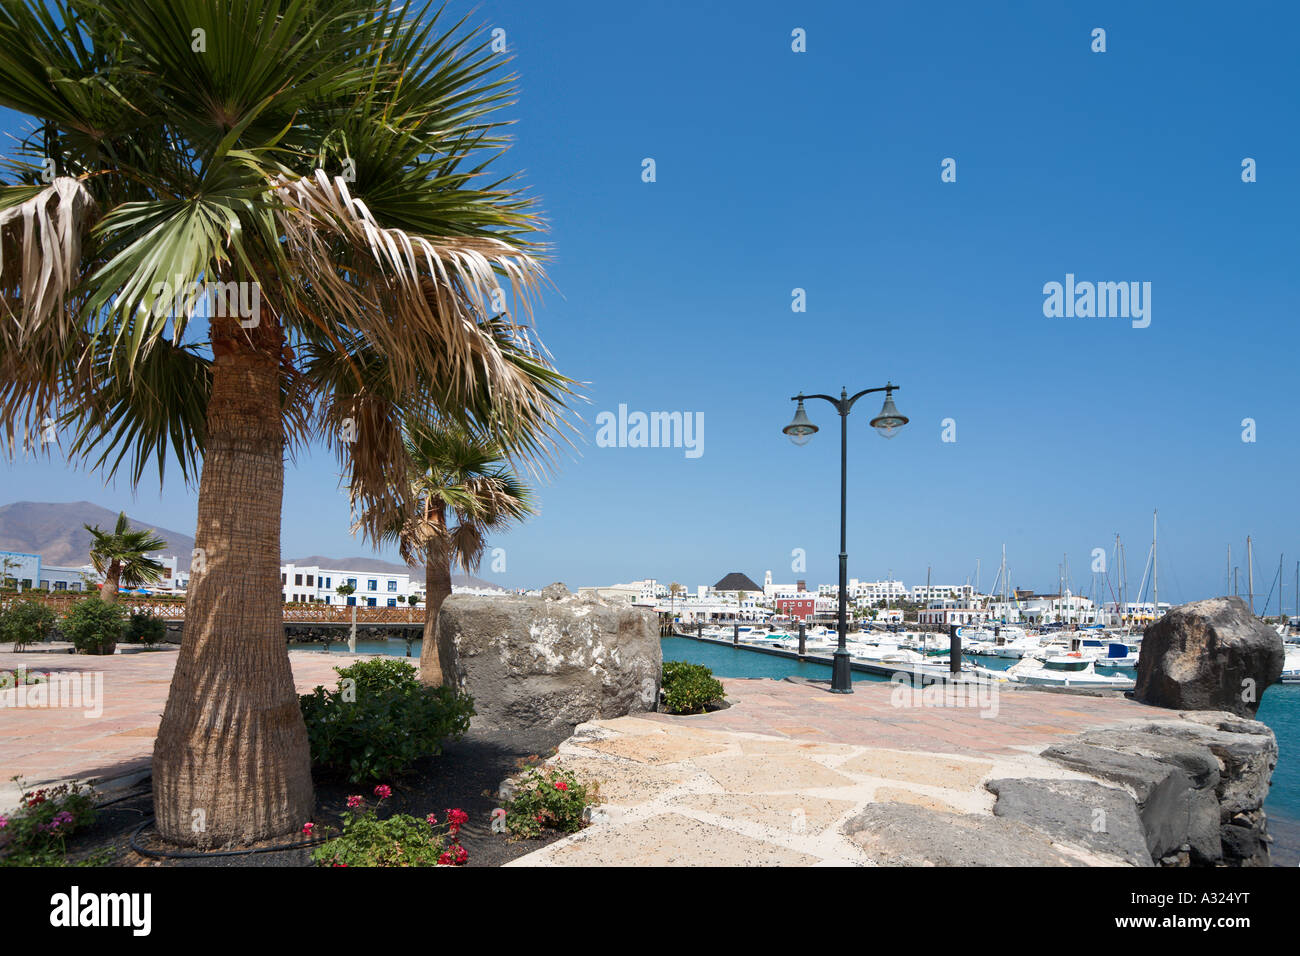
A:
(393, 648)
(1279, 707)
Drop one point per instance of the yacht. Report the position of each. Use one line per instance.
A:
(1291, 664)
(1069, 670)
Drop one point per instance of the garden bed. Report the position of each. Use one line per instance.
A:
(465, 776)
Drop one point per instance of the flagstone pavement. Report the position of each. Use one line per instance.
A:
(772, 779)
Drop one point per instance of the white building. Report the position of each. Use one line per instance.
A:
(925, 593)
(316, 585)
(868, 593)
(952, 611)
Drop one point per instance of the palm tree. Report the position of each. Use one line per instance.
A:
(120, 556)
(459, 488)
(324, 165)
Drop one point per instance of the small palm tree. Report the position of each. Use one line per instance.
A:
(459, 487)
(121, 557)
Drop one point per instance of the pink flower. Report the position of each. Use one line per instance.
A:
(354, 802)
(383, 791)
(308, 827)
(431, 819)
(4, 821)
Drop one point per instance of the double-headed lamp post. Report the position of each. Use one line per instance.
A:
(800, 430)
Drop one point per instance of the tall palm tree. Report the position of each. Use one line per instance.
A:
(325, 165)
(121, 557)
(459, 488)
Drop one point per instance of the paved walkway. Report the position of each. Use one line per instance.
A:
(52, 744)
(772, 780)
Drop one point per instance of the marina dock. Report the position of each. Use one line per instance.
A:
(927, 674)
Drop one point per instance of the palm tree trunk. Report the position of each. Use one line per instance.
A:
(437, 588)
(112, 581)
(231, 764)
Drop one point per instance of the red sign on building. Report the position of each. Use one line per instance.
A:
(798, 608)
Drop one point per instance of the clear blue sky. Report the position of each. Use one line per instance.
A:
(821, 170)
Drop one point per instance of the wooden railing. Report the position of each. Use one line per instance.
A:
(173, 608)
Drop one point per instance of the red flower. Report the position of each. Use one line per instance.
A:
(461, 854)
(383, 791)
(445, 860)
(561, 785)
(307, 828)
(457, 816)
(354, 802)
(431, 819)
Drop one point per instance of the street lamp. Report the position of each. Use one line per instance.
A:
(800, 430)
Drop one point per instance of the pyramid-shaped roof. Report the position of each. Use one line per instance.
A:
(736, 581)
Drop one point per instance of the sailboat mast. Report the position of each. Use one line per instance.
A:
(1155, 570)
(1250, 574)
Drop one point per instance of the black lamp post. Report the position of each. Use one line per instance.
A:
(800, 431)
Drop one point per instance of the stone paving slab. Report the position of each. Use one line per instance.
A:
(53, 744)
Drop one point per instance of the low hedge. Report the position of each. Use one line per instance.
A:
(380, 720)
(689, 688)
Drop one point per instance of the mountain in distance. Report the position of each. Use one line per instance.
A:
(55, 531)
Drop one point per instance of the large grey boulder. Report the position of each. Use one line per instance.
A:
(532, 662)
(1246, 751)
(1209, 655)
(1102, 820)
(1174, 782)
(901, 834)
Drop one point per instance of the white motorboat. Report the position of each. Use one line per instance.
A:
(1291, 664)
(1064, 671)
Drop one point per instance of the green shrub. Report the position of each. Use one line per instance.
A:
(36, 833)
(26, 622)
(399, 840)
(93, 626)
(380, 720)
(144, 628)
(548, 797)
(689, 688)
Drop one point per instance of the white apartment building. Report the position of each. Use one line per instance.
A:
(925, 593)
(952, 611)
(312, 584)
(867, 593)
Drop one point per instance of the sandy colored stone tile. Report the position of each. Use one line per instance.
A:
(935, 770)
(775, 745)
(899, 795)
(771, 773)
(631, 726)
(671, 839)
(785, 811)
(623, 783)
(656, 748)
